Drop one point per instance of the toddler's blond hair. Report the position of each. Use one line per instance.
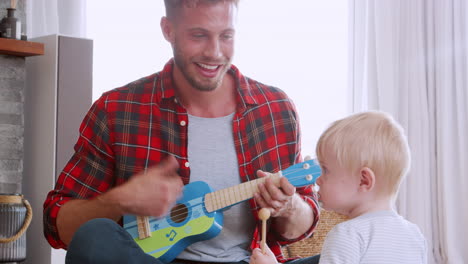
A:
(370, 139)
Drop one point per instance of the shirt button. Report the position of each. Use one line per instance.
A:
(187, 164)
(183, 123)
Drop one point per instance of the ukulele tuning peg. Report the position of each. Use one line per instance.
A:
(315, 188)
(307, 158)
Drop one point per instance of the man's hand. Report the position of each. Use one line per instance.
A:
(292, 216)
(152, 192)
(278, 199)
(259, 258)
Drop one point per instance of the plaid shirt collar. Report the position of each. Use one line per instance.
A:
(166, 86)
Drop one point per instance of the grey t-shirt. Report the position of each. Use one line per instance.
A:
(212, 157)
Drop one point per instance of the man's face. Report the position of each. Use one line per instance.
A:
(203, 43)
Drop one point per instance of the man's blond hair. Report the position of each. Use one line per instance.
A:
(370, 139)
(173, 5)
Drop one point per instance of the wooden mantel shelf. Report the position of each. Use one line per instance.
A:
(20, 47)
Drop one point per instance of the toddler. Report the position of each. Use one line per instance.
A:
(364, 157)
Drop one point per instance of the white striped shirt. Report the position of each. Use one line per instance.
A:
(374, 238)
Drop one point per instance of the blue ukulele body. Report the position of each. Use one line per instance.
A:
(171, 235)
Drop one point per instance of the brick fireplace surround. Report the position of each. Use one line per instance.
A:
(12, 85)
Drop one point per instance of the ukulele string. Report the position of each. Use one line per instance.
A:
(184, 211)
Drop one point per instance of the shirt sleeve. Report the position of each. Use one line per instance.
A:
(88, 173)
(342, 245)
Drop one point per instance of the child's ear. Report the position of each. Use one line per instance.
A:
(367, 179)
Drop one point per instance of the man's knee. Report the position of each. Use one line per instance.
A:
(103, 241)
(91, 241)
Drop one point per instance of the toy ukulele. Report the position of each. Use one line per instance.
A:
(198, 214)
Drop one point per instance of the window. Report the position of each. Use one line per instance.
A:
(299, 46)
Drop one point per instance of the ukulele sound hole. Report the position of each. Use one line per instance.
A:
(179, 213)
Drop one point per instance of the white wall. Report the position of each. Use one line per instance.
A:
(299, 46)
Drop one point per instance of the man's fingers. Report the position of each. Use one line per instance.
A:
(259, 199)
(287, 187)
(262, 174)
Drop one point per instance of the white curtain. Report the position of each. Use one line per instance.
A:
(409, 58)
(63, 17)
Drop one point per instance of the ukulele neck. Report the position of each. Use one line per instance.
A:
(230, 196)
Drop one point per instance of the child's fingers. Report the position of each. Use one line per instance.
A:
(257, 251)
(258, 257)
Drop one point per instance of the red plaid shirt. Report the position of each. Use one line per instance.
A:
(136, 126)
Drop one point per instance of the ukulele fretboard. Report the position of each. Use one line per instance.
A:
(229, 196)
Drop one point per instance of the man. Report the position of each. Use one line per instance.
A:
(197, 119)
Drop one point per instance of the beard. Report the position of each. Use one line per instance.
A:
(186, 67)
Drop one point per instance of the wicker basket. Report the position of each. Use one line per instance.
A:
(313, 245)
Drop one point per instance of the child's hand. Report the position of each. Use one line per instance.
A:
(259, 258)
